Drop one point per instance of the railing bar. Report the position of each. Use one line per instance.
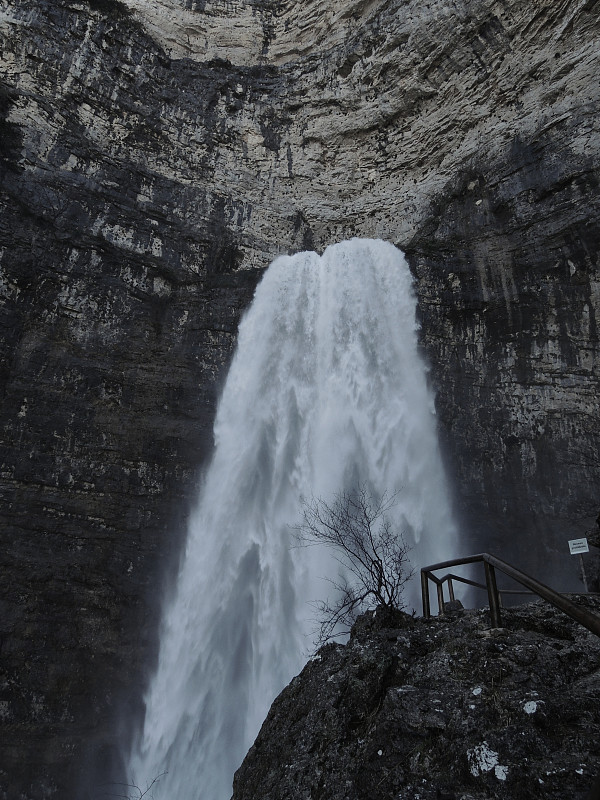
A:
(451, 576)
(425, 594)
(435, 579)
(588, 619)
(477, 585)
(455, 562)
(493, 598)
(464, 580)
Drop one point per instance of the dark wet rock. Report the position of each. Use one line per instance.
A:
(441, 708)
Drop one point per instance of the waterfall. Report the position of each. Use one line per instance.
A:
(326, 390)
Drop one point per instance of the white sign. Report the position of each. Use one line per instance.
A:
(578, 546)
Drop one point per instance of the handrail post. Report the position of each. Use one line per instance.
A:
(440, 596)
(451, 589)
(425, 594)
(493, 597)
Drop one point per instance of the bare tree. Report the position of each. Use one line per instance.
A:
(373, 555)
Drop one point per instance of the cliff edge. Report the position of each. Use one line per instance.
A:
(440, 708)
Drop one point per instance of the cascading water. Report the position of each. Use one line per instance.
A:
(326, 391)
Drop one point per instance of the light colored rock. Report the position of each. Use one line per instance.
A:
(230, 31)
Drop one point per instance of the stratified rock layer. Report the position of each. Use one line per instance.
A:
(154, 157)
(444, 708)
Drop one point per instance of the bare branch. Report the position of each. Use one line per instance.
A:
(131, 791)
(355, 526)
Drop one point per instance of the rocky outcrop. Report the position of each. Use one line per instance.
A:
(154, 157)
(443, 708)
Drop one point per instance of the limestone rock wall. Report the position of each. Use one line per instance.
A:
(441, 708)
(154, 157)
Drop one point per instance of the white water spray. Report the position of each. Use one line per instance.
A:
(326, 390)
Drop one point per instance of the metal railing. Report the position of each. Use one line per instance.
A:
(584, 616)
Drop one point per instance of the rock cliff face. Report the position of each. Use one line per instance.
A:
(443, 708)
(154, 157)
